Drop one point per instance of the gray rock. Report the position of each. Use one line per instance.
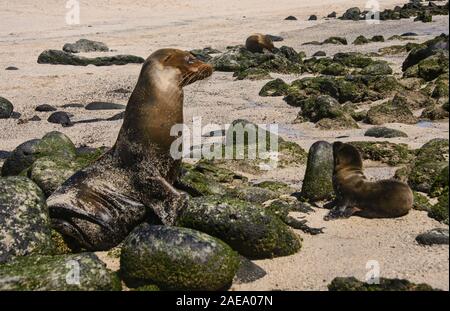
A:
(177, 259)
(318, 184)
(319, 54)
(84, 45)
(6, 108)
(104, 106)
(377, 69)
(248, 272)
(352, 14)
(24, 221)
(74, 272)
(312, 18)
(249, 229)
(60, 117)
(384, 132)
(434, 236)
(55, 57)
(45, 108)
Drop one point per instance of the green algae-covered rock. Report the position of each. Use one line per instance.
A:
(24, 220)
(435, 112)
(177, 259)
(198, 184)
(275, 186)
(386, 152)
(391, 111)
(252, 74)
(335, 40)
(421, 202)
(341, 122)
(377, 69)
(352, 284)
(253, 194)
(316, 108)
(318, 184)
(56, 57)
(335, 69)
(249, 229)
(440, 184)
(54, 144)
(6, 108)
(431, 159)
(75, 272)
(439, 211)
(275, 87)
(384, 132)
(433, 66)
(360, 40)
(353, 59)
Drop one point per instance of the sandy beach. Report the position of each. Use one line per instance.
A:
(140, 27)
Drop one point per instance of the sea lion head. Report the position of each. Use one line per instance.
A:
(177, 66)
(257, 42)
(345, 156)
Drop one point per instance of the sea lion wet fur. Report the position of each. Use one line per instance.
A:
(356, 195)
(98, 206)
(257, 43)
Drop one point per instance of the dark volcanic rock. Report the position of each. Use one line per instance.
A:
(317, 184)
(291, 18)
(56, 57)
(177, 259)
(60, 117)
(74, 272)
(319, 54)
(312, 18)
(384, 132)
(24, 221)
(103, 106)
(352, 284)
(11, 68)
(434, 236)
(45, 108)
(332, 15)
(84, 45)
(426, 50)
(6, 108)
(352, 14)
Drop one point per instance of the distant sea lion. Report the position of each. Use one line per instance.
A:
(256, 43)
(355, 195)
(98, 206)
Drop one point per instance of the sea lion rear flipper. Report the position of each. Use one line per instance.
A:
(341, 211)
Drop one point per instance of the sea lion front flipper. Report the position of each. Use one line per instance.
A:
(341, 211)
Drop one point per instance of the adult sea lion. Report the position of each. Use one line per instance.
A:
(98, 206)
(355, 195)
(256, 43)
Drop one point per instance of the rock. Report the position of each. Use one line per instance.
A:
(204, 54)
(433, 237)
(252, 74)
(360, 40)
(421, 202)
(439, 211)
(377, 69)
(275, 87)
(45, 108)
(319, 54)
(60, 117)
(342, 122)
(103, 106)
(116, 117)
(248, 272)
(383, 151)
(332, 15)
(431, 159)
(392, 50)
(391, 111)
(440, 183)
(378, 38)
(55, 57)
(384, 132)
(424, 17)
(316, 108)
(53, 144)
(24, 224)
(275, 38)
(84, 45)
(317, 183)
(425, 50)
(352, 14)
(34, 119)
(434, 112)
(335, 40)
(6, 108)
(433, 66)
(291, 18)
(409, 34)
(11, 68)
(74, 272)
(248, 229)
(352, 284)
(353, 59)
(335, 69)
(441, 88)
(312, 18)
(72, 105)
(256, 195)
(177, 259)
(276, 186)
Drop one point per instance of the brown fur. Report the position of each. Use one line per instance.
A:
(98, 206)
(356, 195)
(258, 42)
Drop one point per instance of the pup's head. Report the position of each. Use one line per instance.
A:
(177, 66)
(346, 155)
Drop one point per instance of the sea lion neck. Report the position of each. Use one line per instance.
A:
(155, 105)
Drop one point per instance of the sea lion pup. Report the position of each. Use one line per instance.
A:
(258, 42)
(97, 207)
(355, 195)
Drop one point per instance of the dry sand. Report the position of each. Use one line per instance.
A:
(140, 27)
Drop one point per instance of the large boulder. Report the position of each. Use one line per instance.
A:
(56, 57)
(352, 14)
(177, 259)
(395, 110)
(249, 229)
(74, 272)
(426, 50)
(24, 221)
(318, 184)
(6, 108)
(434, 237)
(384, 151)
(384, 132)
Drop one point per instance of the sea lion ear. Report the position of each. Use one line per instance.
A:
(167, 58)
